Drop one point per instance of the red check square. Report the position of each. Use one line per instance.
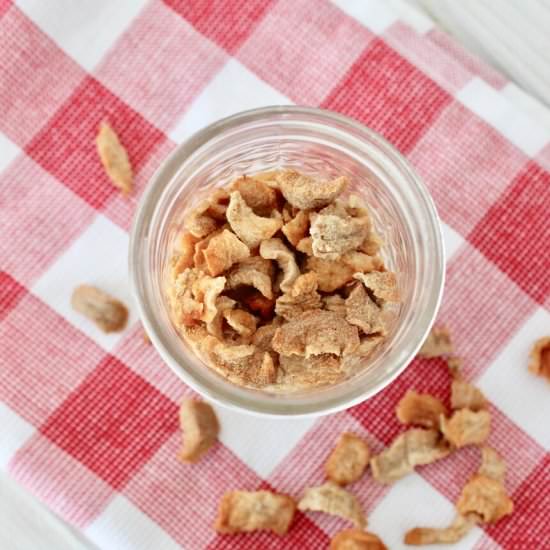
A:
(390, 95)
(11, 292)
(228, 23)
(66, 147)
(515, 232)
(5, 5)
(37, 76)
(113, 422)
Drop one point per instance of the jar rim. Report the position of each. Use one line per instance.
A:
(160, 183)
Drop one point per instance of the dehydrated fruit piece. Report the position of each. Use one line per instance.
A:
(421, 409)
(363, 312)
(306, 192)
(539, 363)
(454, 364)
(355, 539)
(335, 303)
(249, 227)
(301, 297)
(334, 235)
(466, 396)
(492, 464)
(257, 194)
(114, 158)
(264, 334)
(297, 228)
(460, 527)
(316, 332)
(466, 427)
(108, 313)
(246, 511)
(200, 247)
(357, 207)
(330, 274)
(348, 460)
(438, 343)
(241, 321)
(413, 448)
(368, 344)
(383, 285)
(184, 248)
(205, 291)
(311, 372)
(186, 309)
(217, 204)
(254, 271)
(200, 428)
(223, 251)
(259, 304)
(215, 327)
(305, 246)
(275, 249)
(332, 499)
(372, 244)
(361, 262)
(485, 497)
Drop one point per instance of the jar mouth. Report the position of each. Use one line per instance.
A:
(358, 142)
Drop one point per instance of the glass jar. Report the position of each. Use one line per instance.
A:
(316, 142)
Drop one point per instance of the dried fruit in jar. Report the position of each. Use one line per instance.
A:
(261, 198)
(297, 228)
(363, 312)
(383, 285)
(114, 158)
(313, 372)
(302, 296)
(200, 428)
(348, 460)
(223, 251)
(331, 275)
(255, 272)
(275, 249)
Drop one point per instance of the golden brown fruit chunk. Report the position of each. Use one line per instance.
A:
(259, 196)
(348, 460)
(486, 498)
(413, 448)
(254, 271)
(222, 304)
(460, 527)
(363, 312)
(114, 158)
(275, 249)
(301, 297)
(297, 228)
(420, 409)
(108, 313)
(332, 499)
(383, 285)
(305, 246)
(206, 291)
(437, 344)
(361, 262)
(466, 427)
(258, 304)
(246, 511)
(223, 251)
(466, 396)
(331, 274)
(316, 332)
(492, 464)
(355, 539)
(306, 192)
(249, 227)
(314, 372)
(241, 321)
(540, 358)
(200, 428)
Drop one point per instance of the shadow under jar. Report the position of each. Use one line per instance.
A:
(315, 142)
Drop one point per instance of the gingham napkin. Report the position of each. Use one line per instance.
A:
(89, 421)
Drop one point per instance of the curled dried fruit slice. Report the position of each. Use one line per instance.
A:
(437, 344)
(332, 499)
(205, 291)
(363, 312)
(540, 358)
(255, 272)
(108, 313)
(330, 274)
(249, 227)
(114, 158)
(466, 396)
(223, 251)
(316, 332)
(348, 460)
(301, 297)
(413, 448)
(246, 511)
(460, 527)
(257, 194)
(466, 427)
(200, 428)
(215, 327)
(355, 539)
(297, 228)
(383, 285)
(485, 497)
(275, 249)
(200, 247)
(241, 321)
(312, 372)
(421, 409)
(306, 192)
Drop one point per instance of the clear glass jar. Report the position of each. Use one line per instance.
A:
(317, 142)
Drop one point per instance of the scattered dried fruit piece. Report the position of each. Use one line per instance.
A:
(383, 285)
(437, 344)
(249, 227)
(363, 312)
(466, 396)
(421, 409)
(413, 448)
(108, 313)
(313, 372)
(540, 358)
(275, 249)
(306, 192)
(246, 511)
(355, 539)
(301, 297)
(348, 460)
(223, 251)
(297, 228)
(257, 194)
(316, 332)
(200, 428)
(485, 497)
(332, 499)
(492, 464)
(454, 364)
(254, 271)
(241, 321)
(114, 158)
(460, 527)
(466, 427)
(331, 274)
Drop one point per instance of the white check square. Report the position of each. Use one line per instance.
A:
(15, 432)
(8, 151)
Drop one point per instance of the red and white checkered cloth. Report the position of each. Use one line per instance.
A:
(89, 421)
